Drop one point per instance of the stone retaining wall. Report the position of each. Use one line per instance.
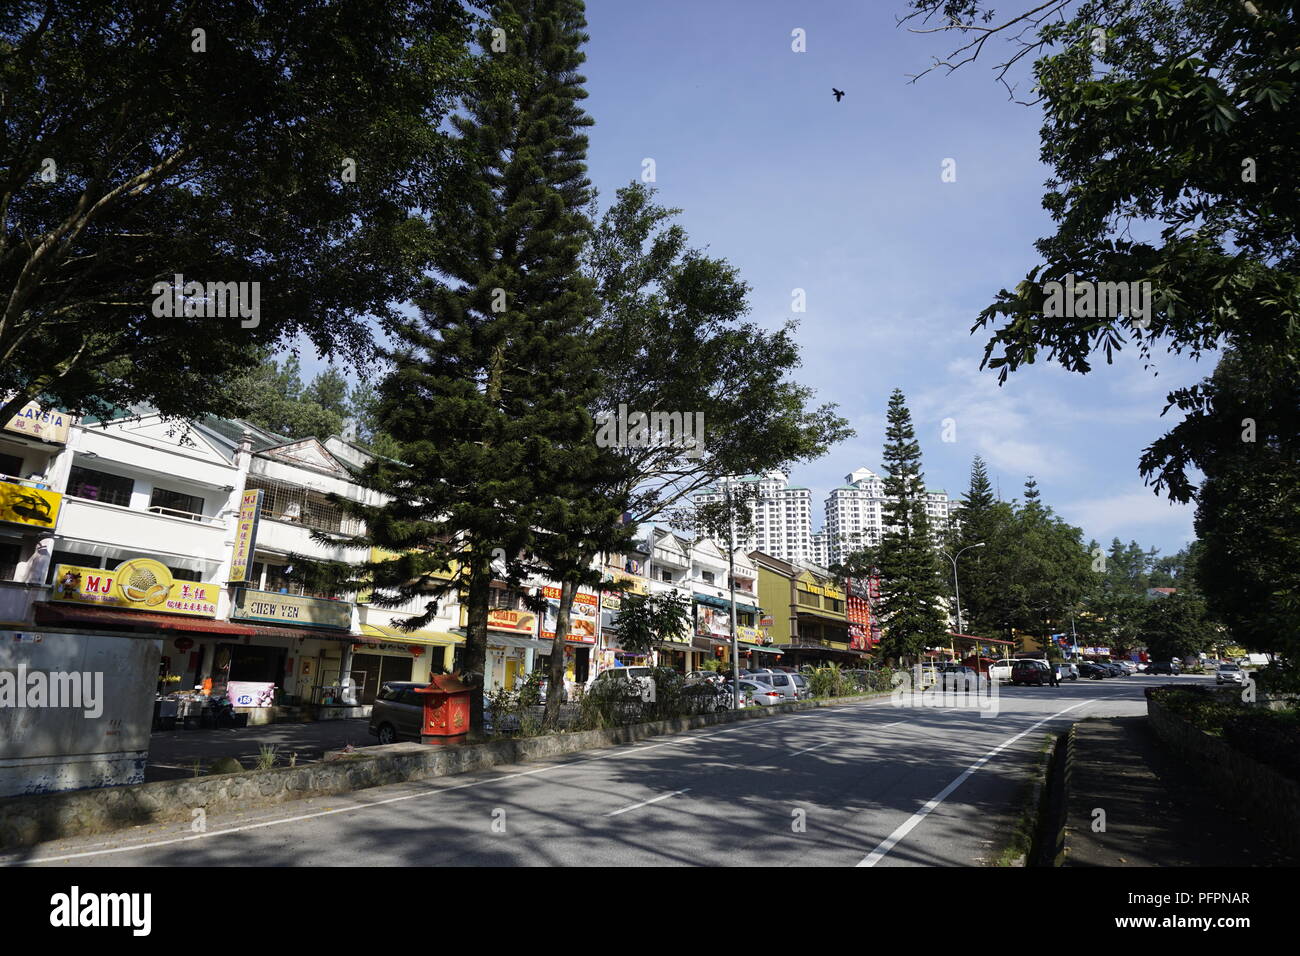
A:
(29, 820)
(1262, 792)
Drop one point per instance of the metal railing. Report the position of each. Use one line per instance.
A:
(295, 504)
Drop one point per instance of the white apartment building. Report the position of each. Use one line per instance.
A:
(855, 514)
(782, 517)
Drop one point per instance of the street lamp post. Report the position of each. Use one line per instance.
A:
(731, 574)
(957, 595)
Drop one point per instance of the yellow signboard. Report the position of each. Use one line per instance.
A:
(43, 423)
(141, 584)
(250, 510)
(22, 504)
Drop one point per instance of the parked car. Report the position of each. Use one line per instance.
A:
(956, 677)
(764, 695)
(639, 676)
(1129, 667)
(1230, 674)
(1115, 669)
(710, 675)
(788, 684)
(1065, 670)
(1001, 670)
(1030, 672)
(1164, 667)
(397, 712)
(1092, 671)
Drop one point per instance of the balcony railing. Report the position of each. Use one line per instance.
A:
(294, 504)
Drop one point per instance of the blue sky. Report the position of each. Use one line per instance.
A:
(845, 201)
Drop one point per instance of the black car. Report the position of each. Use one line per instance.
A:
(1164, 667)
(1092, 671)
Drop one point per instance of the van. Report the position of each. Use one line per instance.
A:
(397, 712)
(792, 686)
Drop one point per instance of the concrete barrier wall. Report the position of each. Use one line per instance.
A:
(1272, 799)
(26, 821)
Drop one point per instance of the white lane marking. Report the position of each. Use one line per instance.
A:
(806, 749)
(614, 752)
(646, 803)
(894, 724)
(880, 852)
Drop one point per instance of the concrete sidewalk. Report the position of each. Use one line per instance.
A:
(1157, 812)
(172, 753)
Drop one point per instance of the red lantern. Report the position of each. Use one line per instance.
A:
(183, 643)
(417, 651)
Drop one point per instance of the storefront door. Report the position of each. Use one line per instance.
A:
(378, 669)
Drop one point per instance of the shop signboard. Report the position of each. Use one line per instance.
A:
(516, 622)
(712, 621)
(251, 605)
(582, 617)
(247, 693)
(250, 510)
(140, 584)
(28, 505)
(47, 424)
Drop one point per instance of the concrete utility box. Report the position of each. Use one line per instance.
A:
(446, 709)
(75, 710)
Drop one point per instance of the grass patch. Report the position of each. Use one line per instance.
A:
(1030, 798)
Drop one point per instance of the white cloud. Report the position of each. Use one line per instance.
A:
(1118, 516)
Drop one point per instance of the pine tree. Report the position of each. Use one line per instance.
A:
(984, 521)
(911, 588)
(492, 382)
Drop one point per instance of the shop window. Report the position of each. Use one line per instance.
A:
(176, 503)
(11, 466)
(71, 557)
(100, 486)
(185, 574)
(10, 555)
(277, 580)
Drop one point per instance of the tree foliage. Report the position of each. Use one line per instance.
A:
(211, 140)
(911, 589)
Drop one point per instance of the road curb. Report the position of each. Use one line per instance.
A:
(31, 820)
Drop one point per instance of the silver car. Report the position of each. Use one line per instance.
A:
(1229, 674)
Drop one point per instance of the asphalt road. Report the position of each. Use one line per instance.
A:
(869, 784)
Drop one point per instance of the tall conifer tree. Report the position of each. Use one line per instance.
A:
(911, 588)
(492, 382)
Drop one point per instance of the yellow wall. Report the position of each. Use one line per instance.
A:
(774, 596)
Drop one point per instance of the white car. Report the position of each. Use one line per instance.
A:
(765, 695)
(1230, 674)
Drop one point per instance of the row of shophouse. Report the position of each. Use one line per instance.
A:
(161, 553)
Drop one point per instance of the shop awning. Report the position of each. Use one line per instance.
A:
(303, 633)
(711, 601)
(526, 643)
(398, 636)
(47, 613)
(762, 648)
